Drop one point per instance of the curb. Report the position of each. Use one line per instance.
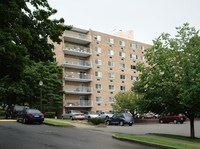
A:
(144, 143)
(7, 120)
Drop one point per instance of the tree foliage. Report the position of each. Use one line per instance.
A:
(125, 101)
(170, 82)
(25, 29)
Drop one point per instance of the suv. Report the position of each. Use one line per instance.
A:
(175, 119)
(120, 119)
(12, 112)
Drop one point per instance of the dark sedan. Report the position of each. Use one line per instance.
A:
(120, 119)
(30, 116)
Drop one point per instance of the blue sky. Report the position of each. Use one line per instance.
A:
(147, 18)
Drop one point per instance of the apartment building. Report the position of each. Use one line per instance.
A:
(96, 66)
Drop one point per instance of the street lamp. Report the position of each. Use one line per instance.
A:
(41, 84)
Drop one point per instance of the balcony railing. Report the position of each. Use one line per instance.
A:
(77, 103)
(70, 89)
(77, 77)
(76, 37)
(79, 64)
(77, 50)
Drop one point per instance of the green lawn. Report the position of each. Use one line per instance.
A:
(56, 122)
(195, 140)
(161, 141)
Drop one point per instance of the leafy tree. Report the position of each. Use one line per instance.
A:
(125, 101)
(170, 82)
(25, 29)
(52, 92)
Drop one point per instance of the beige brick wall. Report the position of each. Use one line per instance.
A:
(105, 104)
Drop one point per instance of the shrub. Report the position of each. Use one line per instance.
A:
(96, 121)
(50, 114)
(2, 113)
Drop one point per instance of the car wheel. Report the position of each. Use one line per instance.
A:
(25, 121)
(17, 119)
(121, 123)
(107, 122)
(71, 118)
(175, 121)
(107, 117)
(161, 121)
(130, 124)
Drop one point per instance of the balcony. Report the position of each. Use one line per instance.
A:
(78, 90)
(77, 77)
(77, 64)
(78, 103)
(77, 50)
(76, 37)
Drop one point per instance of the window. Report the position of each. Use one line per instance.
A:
(98, 62)
(121, 43)
(133, 45)
(122, 88)
(142, 48)
(122, 66)
(99, 99)
(134, 56)
(98, 74)
(110, 52)
(122, 54)
(97, 50)
(142, 58)
(134, 78)
(111, 87)
(110, 40)
(97, 37)
(111, 99)
(111, 75)
(111, 64)
(133, 67)
(98, 86)
(122, 77)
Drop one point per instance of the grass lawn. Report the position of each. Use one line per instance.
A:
(56, 122)
(195, 140)
(161, 141)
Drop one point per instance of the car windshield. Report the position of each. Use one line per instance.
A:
(33, 111)
(76, 111)
(127, 114)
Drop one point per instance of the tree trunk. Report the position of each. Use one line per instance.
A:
(192, 132)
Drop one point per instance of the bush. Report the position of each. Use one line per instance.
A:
(2, 114)
(96, 121)
(50, 114)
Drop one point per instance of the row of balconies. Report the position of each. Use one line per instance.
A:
(78, 90)
(77, 77)
(77, 103)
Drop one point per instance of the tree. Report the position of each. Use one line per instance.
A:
(170, 82)
(125, 101)
(25, 29)
(48, 72)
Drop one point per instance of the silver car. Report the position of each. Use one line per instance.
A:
(73, 115)
(90, 114)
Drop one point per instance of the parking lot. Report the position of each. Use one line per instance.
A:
(143, 128)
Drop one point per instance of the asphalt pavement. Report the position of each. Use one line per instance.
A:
(34, 136)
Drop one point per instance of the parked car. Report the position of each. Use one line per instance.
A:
(175, 119)
(90, 114)
(30, 116)
(106, 115)
(121, 119)
(73, 114)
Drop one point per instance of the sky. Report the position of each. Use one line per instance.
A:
(147, 18)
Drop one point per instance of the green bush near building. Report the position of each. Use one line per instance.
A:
(96, 121)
